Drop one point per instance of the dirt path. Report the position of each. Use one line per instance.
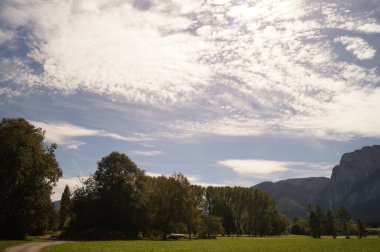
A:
(33, 246)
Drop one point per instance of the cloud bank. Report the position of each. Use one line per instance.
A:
(275, 170)
(231, 68)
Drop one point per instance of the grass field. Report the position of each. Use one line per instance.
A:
(283, 243)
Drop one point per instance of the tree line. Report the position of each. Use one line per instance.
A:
(326, 222)
(119, 199)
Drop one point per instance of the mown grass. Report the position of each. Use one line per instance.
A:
(235, 244)
(9, 243)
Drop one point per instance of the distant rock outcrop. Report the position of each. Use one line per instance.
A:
(355, 183)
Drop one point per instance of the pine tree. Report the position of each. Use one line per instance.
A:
(343, 217)
(362, 232)
(64, 211)
(330, 224)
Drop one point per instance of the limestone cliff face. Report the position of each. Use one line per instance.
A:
(355, 182)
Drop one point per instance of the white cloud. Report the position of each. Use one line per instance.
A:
(194, 180)
(358, 46)
(338, 17)
(370, 28)
(155, 174)
(73, 183)
(5, 35)
(215, 67)
(252, 166)
(148, 153)
(9, 92)
(66, 134)
(197, 180)
(275, 170)
(96, 47)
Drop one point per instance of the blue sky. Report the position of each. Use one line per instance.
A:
(226, 92)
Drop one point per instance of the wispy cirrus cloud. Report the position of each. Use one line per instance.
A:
(68, 134)
(153, 153)
(251, 166)
(5, 35)
(9, 92)
(275, 170)
(231, 68)
(143, 56)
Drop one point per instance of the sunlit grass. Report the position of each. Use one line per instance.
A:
(235, 244)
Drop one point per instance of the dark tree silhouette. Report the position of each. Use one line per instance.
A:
(330, 228)
(111, 198)
(64, 211)
(343, 218)
(28, 173)
(361, 232)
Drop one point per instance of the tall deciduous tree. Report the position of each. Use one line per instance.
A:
(28, 173)
(111, 198)
(211, 226)
(169, 201)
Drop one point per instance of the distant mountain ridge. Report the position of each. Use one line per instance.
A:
(292, 195)
(355, 183)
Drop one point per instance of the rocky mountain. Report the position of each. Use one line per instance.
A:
(293, 195)
(355, 183)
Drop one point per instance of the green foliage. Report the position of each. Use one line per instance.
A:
(64, 211)
(343, 218)
(322, 222)
(244, 211)
(315, 221)
(299, 226)
(111, 198)
(238, 244)
(168, 203)
(279, 224)
(28, 172)
(210, 227)
(120, 197)
(314, 225)
(361, 232)
(329, 224)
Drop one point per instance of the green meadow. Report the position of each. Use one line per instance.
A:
(236, 244)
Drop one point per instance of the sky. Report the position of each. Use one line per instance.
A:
(227, 92)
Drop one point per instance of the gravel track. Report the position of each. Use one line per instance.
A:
(32, 247)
